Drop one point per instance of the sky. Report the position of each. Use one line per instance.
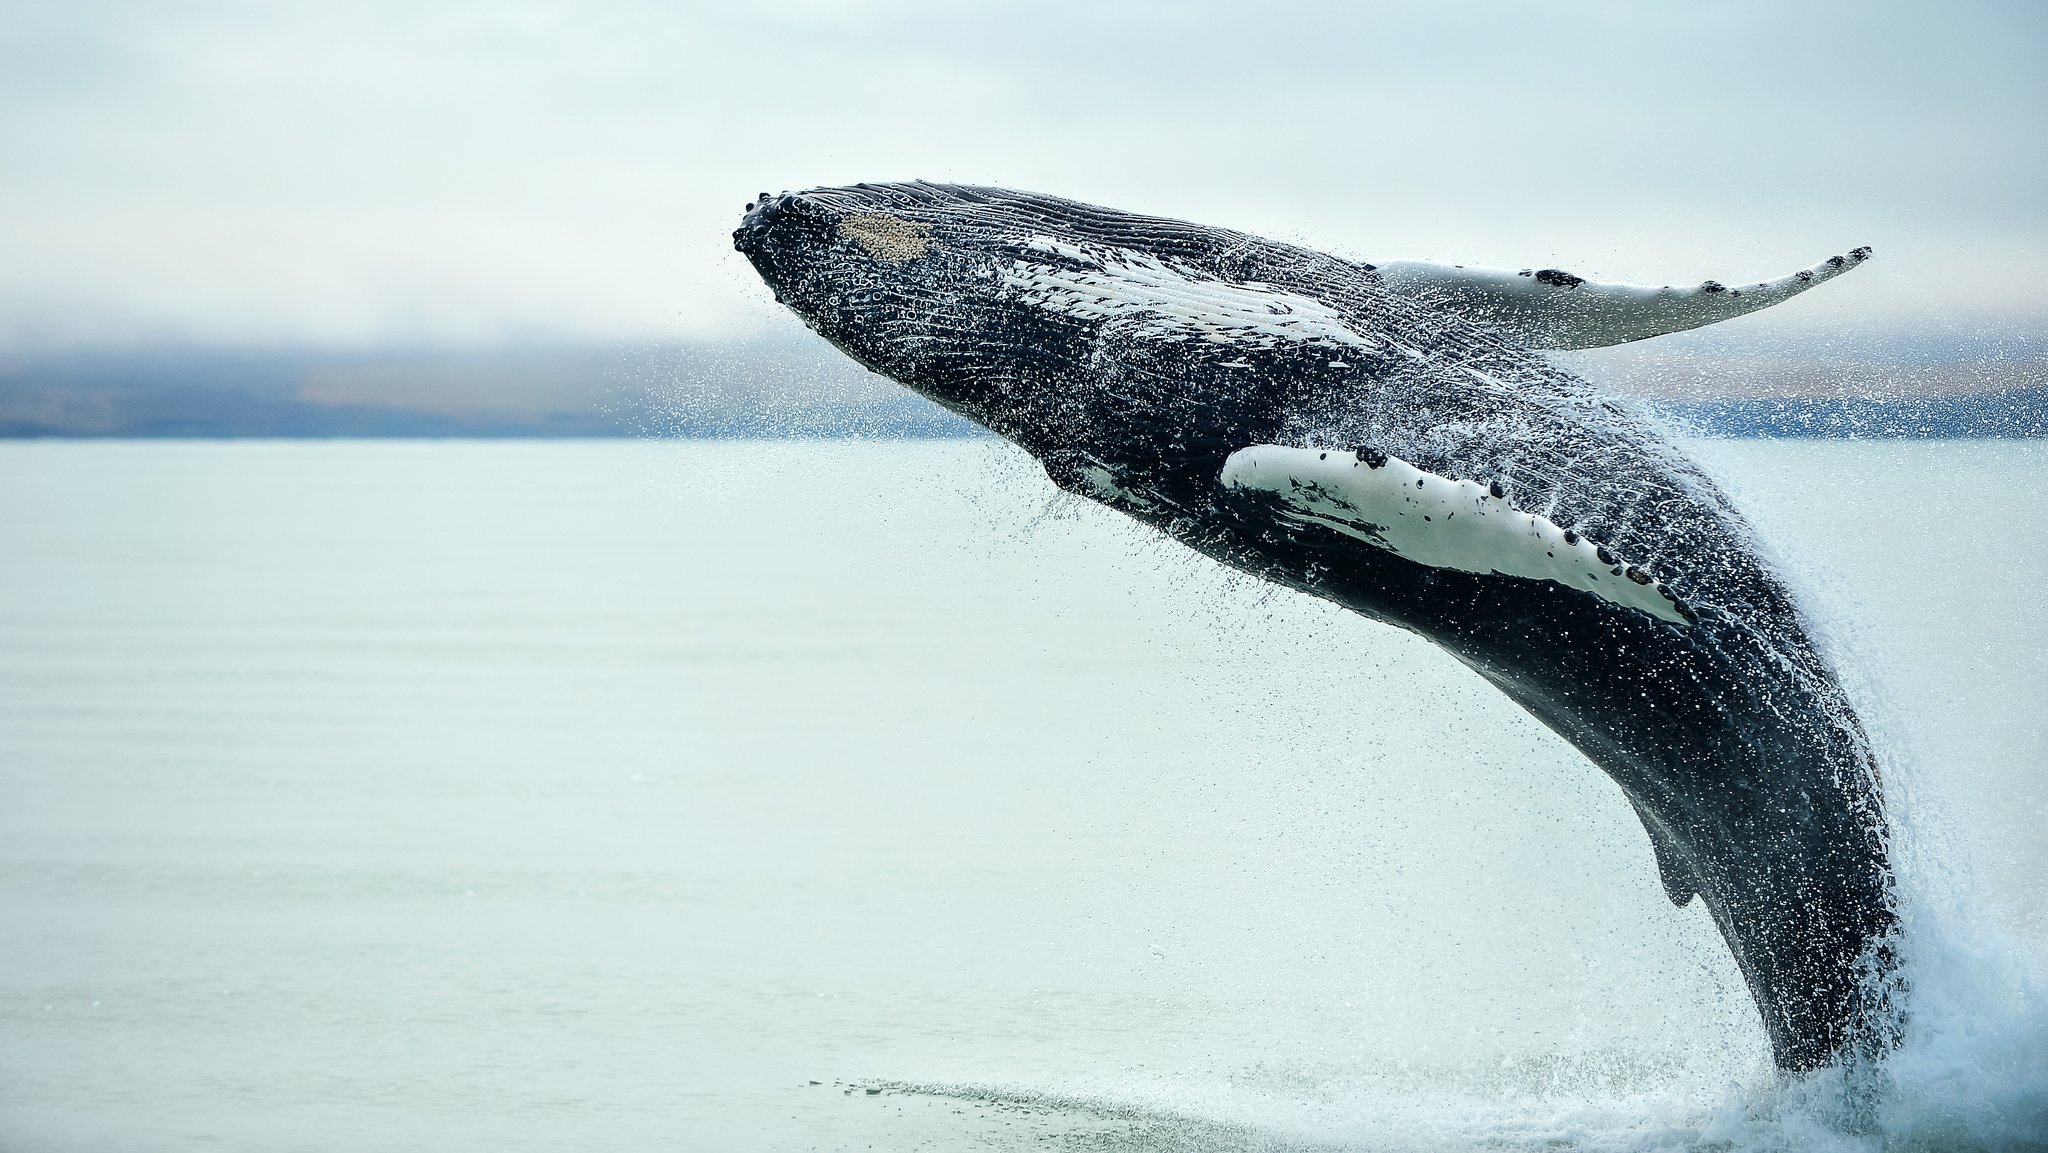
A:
(456, 173)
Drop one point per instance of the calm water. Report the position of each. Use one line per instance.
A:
(509, 796)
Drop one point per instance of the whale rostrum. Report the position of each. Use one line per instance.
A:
(1384, 436)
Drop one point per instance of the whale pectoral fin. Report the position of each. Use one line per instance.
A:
(1550, 308)
(1442, 522)
(1672, 869)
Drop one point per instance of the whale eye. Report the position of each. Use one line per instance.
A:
(889, 239)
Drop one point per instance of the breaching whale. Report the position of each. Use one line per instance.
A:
(1386, 436)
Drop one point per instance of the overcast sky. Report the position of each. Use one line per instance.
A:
(364, 172)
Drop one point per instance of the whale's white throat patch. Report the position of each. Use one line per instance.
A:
(1437, 521)
(1163, 299)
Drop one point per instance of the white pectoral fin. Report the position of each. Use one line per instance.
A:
(1441, 522)
(1550, 308)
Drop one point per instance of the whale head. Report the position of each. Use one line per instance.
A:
(1018, 310)
(910, 280)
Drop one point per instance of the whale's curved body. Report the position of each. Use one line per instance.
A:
(1381, 436)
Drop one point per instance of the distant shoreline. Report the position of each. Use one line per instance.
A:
(772, 390)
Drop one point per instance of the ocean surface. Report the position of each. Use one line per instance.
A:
(447, 796)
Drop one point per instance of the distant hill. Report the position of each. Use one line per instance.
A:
(757, 389)
(2012, 412)
(789, 388)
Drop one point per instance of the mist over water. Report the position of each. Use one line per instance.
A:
(543, 795)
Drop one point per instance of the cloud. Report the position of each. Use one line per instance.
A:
(464, 172)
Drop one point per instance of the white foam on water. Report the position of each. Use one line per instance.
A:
(1971, 1071)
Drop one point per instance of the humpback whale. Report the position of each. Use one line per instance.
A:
(1390, 437)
